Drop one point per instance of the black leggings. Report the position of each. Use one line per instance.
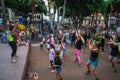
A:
(102, 47)
(51, 62)
(13, 46)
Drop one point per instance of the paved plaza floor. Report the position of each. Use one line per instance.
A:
(12, 71)
(39, 62)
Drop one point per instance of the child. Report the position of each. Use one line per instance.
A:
(48, 44)
(64, 49)
(51, 57)
(52, 40)
(58, 66)
(41, 46)
(56, 46)
(43, 40)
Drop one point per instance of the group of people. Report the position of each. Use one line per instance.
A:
(56, 50)
(80, 39)
(56, 46)
(17, 37)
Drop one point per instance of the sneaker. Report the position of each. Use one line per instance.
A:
(13, 61)
(49, 67)
(81, 65)
(53, 71)
(61, 79)
(87, 73)
(115, 71)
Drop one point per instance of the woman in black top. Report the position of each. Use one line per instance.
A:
(93, 59)
(78, 44)
(58, 66)
(12, 42)
(114, 53)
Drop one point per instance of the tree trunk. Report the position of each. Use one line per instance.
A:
(64, 9)
(58, 22)
(49, 7)
(50, 16)
(4, 13)
(54, 15)
(29, 2)
(106, 21)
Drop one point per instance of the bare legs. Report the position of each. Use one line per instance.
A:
(58, 76)
(93, 70)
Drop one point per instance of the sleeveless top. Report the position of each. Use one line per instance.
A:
(11, 38)
(94, 56)
(114, 50)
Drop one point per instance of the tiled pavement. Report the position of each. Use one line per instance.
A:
(12, 71)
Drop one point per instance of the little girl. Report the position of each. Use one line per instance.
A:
(48, 44)
(51, 57)
(58, 66)
(64, 49)
(41, 46)
(56, 46)
(52, 40)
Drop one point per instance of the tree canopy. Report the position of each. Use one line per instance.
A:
(24, 7)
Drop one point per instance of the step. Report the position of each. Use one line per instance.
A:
(13, 71)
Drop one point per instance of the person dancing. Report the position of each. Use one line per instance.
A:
(58, 65)
(78, 45)
(114, 53)
(12, 43)
(93, 59)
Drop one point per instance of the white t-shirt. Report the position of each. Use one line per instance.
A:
(56, 47)
(61, 52)
(43, 39)
(51, 54)
(48, 45)
(52, 39)
(60, 32)
(41, 43)
(63, 45)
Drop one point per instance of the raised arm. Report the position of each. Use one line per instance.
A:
(14, 29)
(83, 41)
(91, 47)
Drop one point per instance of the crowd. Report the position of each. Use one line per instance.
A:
(56, 46)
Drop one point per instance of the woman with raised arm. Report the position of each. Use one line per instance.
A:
(78, 45)
(114, 52)
(12, 42)
(93, 59)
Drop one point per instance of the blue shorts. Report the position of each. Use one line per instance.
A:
(41, 46)
(59, 69)
(94, 63)
(64, 51)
